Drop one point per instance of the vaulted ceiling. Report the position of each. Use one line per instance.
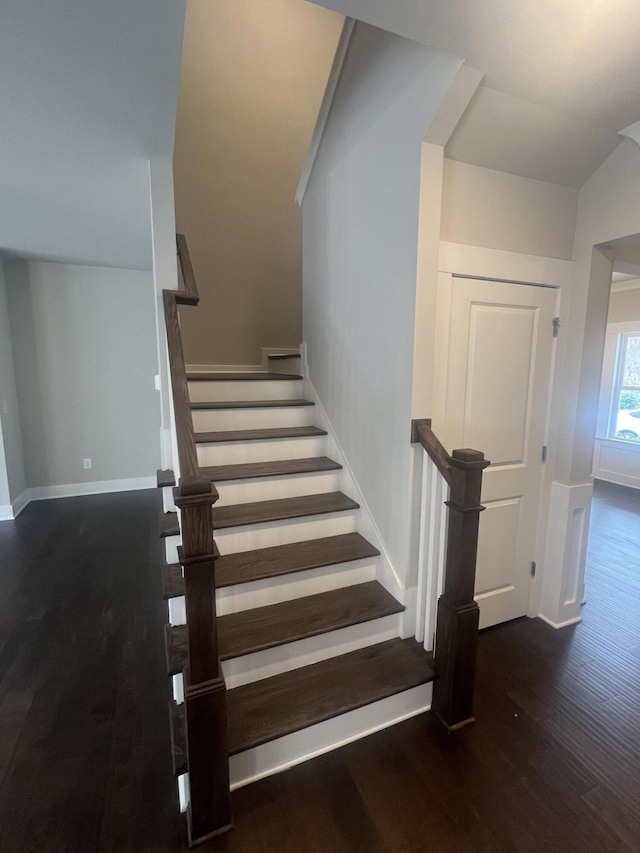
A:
(561, 76)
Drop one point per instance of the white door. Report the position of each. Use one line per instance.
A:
(495, 350)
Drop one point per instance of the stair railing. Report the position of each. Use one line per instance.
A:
(209, 810)
(447, 614)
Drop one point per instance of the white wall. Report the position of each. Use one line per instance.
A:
(88, 94)
(496, 210)
(624, 305)
(12, 476)
(608, 208)
(360, 223)
(84, 348)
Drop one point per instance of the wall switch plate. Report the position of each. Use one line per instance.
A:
(156, 381)
(5, 407)
(86, 463)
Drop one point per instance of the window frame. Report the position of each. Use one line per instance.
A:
(618, 385)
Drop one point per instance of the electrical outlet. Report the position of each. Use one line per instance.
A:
(86, 463)
(156, 381)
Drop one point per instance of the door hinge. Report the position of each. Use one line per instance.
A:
(533, 568)
(544, 454)
(556, 326)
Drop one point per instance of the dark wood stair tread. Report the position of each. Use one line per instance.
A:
(258, 434)
(168, 524)
(237, 515)
(274, 468)
(165, 478)
(172, 580)
(230, 376)
(286, 622)
(262, 563)
(278, 356)
(276, 624)
(274, 707)
(178, 730)
(278, 560)
(222, 405)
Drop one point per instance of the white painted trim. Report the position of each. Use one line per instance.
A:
(367, 526)
(622, 476)
(98, 487)
(497, 265)
(325, 106)
(224, 368)
(21, 502)
(298, 747)
(6, 512)
(562, 583)
(564, 624)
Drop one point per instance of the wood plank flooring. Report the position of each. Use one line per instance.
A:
(553, 763)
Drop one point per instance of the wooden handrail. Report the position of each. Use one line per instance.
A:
(458, 612)
(204, 687)
(421, 433)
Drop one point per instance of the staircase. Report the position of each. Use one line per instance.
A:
(305, 631)
(282, 642)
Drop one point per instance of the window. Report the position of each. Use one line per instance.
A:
(625, 400)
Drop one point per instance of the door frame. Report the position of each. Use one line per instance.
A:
(510, 267)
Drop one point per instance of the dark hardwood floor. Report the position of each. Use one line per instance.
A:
(552, 764)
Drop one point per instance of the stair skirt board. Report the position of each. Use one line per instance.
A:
(261, 593)
(285, 752)
(289, 656)
(204, 391)
(260, 450)
(208, 420)
(272, 488)
(367, 526)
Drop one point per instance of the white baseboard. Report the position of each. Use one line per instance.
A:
(225, 368)
(98, 487)
(6, 512)
(564, 624)
(10, 511)
(21, 502)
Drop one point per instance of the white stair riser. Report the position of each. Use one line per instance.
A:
(272, 488)
(247, 596)
(210, 420)
(237, 452)
(268, 662)
(264, 664)
(260, 389)
(232, 540)
(233, 599)
(278, 755)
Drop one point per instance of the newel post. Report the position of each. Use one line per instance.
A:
(458, 613)
(209, 811)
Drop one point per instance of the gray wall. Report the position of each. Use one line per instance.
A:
(360, 231)
(12, 475)
(496, 210)
(84, 350)
(253, 75)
